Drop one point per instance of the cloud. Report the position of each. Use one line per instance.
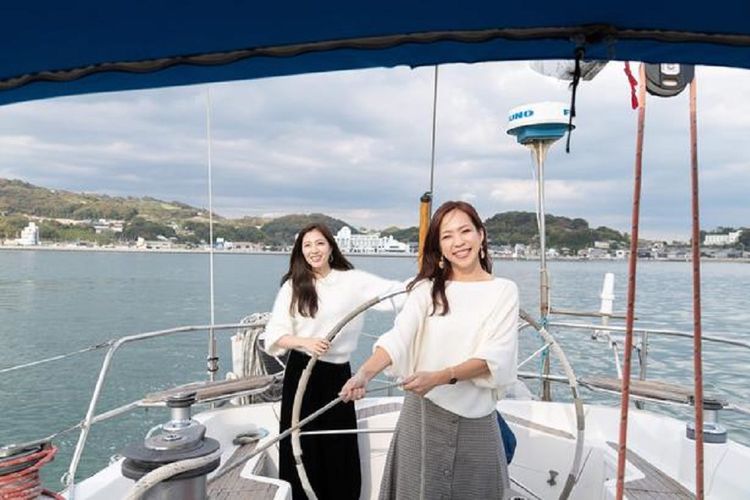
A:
(358, 145)
(561, 192)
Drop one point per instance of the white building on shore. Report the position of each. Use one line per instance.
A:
(29, 235)
(722, 239)
(371, 243)
(104, 225)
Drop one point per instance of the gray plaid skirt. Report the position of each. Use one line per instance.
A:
(463, 458)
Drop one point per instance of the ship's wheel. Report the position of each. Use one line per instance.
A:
(548, 339)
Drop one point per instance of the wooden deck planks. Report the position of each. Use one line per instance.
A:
(232, 486)
(210, 390)
(646, 388)
(656, 484)
(653, 389)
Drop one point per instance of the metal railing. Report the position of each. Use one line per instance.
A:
(641, 347)
(90, 418)
(114, 345)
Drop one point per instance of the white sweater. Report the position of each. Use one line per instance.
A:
(339, 293)
(482, 323)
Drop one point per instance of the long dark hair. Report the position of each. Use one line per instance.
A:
(304, 296)
(432, 254)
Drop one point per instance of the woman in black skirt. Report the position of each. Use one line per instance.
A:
(319, 289)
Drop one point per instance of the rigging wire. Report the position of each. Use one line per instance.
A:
(212, 360)
(434, 122)
(94, 347)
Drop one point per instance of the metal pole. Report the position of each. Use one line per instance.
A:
(630, 314)
(425, 202)
(539, 152)
(697, 330)
(643, 361)
(425, 210)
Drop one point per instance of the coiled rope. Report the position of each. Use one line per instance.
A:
(24, 483)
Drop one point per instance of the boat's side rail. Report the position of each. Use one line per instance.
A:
(90, 417)
(650, 331)
(612, 334)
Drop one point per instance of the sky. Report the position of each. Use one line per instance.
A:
(356, 145)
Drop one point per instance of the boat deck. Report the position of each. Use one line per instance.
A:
(656, 484)
(233, 486)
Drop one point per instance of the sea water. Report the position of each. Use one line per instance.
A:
(56, 302)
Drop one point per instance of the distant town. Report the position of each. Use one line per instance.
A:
(34, 217)
(714, 245)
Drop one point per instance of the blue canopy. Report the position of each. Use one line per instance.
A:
(65, 48)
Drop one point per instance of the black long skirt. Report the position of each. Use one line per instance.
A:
(331, 461)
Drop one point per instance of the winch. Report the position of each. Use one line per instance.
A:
(181, 438)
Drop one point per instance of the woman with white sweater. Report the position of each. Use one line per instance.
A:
(320, 288)
(455, 346)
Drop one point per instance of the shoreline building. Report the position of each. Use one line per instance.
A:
(104, 225)
(722, 239)
(371, 243)
(29, 235)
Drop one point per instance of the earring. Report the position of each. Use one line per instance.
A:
(481, 253)
(441, 262)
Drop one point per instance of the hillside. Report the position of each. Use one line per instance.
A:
(509, 228)
(145, 217)
(151, 219)
(408, 235)
(284, 228)
(18, 197)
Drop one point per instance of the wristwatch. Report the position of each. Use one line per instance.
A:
(453, 379)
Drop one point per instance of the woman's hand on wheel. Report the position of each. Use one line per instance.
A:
(421, 382)
(315, 346)
(354, 388)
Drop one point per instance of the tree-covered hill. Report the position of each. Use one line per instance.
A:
(150, 218)
(146, 217)
(408, 235)
(509, 228)
(18, 197)
(284, 228)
